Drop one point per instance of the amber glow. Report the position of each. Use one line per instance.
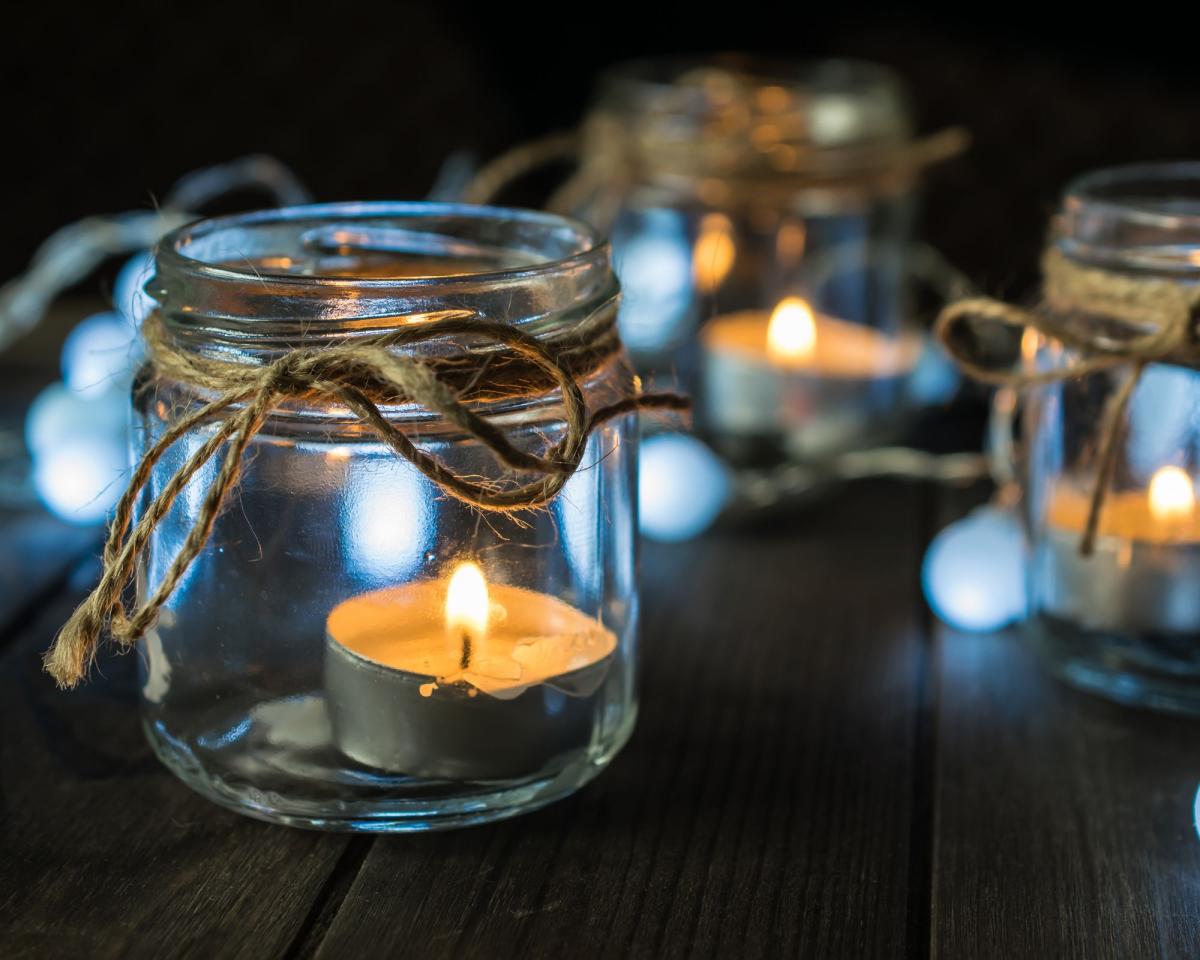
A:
(1031, 342)
(792, 331)
(714, 252)
(1172, 498)
(467, 607)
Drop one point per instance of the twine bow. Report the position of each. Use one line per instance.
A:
(1126, 321)
(360, 375)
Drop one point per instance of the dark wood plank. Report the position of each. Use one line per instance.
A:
(104, 854)
(763, 806)
(1064, 825)
(36, 552)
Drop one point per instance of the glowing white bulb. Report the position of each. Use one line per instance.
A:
(100, 355)
(1161, 416)
(792, 331)
(80, 477)
(682, 486)
(653, 258)
(129, 296)
(974, 571)
(386, 521)
(58, 413)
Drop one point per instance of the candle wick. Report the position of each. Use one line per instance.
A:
(465, 660)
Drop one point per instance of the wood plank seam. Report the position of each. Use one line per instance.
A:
(312, 930)
(925, 720)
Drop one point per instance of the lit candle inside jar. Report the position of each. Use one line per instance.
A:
(1142, 575)
(812, 379)
(462, 679)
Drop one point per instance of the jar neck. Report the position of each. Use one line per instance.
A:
(254, 286)
(1140, 219)
(748, 120)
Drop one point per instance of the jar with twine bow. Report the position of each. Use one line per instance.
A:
(378, 553)
(760, 214)
(1110, 446)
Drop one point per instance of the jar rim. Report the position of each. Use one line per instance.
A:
(822, 74)
(1091, 190)
(347, 273)
(1139, 216)
(831, 102)
(171, 255)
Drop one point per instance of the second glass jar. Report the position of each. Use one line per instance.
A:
(761, 217)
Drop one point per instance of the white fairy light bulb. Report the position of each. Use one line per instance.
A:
(80, 478)
(100, 355)
(682, 487)
(974, 571)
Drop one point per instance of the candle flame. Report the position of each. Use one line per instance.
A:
(792, 332)
(466, 609)
(1172, 497)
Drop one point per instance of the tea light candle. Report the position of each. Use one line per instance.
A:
(812, 377)
(1144, 574)
(462, 679)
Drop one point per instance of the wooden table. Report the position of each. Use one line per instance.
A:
(819, 771)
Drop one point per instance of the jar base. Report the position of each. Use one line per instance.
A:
(385, 803)
(1149, 670)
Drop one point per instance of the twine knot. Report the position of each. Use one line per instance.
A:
(357, 375)
(1107, 320)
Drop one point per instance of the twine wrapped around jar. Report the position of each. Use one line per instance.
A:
(1109, 320)
(498, 362)
(610, 157)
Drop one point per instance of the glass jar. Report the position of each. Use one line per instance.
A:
(761, 219)
(1122, 620)
(307, 668)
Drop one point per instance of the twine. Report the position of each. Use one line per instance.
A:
(1150, 320)
(610, 156)
(360, 375)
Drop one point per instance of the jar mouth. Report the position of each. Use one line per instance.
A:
(327, 244)
(1140, 216)
(272, 280)
(827, 103)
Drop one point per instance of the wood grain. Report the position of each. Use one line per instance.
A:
(763, 806)
(105, 854)
(1064, 825)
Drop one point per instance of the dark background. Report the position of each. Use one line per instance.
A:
(106, 105)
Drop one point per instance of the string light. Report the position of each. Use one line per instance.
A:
(682, 487)
(974, 571)
(77, 431)
(100, 354)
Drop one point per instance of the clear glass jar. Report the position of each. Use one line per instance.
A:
(761, 219)
(294, 673)
(1123, 621)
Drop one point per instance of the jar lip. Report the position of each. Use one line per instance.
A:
(170, 253)
(821, 103)
(1091, 190)
(821, 75)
